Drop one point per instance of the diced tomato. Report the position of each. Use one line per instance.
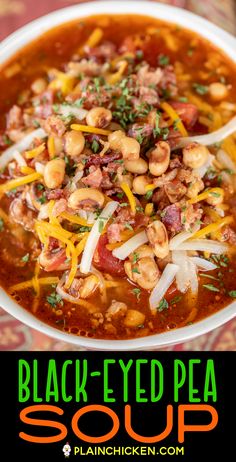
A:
(104, 260)
(188, 113)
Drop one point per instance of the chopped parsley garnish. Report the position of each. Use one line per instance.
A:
(128, 226)
(157, 129)
(54, 299)
(139, 209)
(163, 60)
(124, 204)
(190, 51)
(176, 299)
(149, 194)
(200, 89)
(39, 187)
(139, 54)
(214, 194)
(209, 276)
(42, 199)
(135, 270)
(137, 292)
(175, 124)
(135, 257)
(84, 229)
(6, 140)
(120, 195)
(25, 258)
(1, 224)
(232, 293)
(211, 287)
(163, 305)
(165, 133)
(183, 99)
(101, 223)
(79, 102)
(95, 146)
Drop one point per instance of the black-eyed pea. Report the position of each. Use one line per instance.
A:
(39, 86)
(130, 148)
(159, 158)
(74, 143)
(158, 238)
(140, 184)
(87, 198)
(138, 166)
(195, 155)
(99, 117)
(115, 138)
(218, 91)
(54, 173)
(134, 318)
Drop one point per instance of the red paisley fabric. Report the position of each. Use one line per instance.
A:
(15, 13)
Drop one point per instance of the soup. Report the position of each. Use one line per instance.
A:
(114, 222)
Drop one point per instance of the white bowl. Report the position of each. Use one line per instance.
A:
(26, 34)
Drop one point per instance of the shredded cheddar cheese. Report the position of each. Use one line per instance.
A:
(27, 284)
(63, 82)
(132, 202)
(12, 184)
(35, 152)
(206, 194)
(149, 209)
(213, 227)
(89, 129)
(175, 117)
(27, 170)
(114, 78)
(51, 147)
(94, 38)
(74, 219)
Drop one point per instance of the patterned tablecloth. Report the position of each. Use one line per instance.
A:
(14, 13)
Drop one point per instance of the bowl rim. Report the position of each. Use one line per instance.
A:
(28, 33)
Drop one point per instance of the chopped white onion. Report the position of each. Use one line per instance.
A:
(19, 159)
(22, 145)
(225, 160)
(83, 214)
(39, 167)
(180, 258)
(43, 213)
(203, 263)
(163, 285)
(91, 217)
(201, 171)
(77, 176)
(211, 138)
(66, 110)
(193, 279)
(63, 294)
(178, 239)
(130, 246)
(204, 245)
(94, 236)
